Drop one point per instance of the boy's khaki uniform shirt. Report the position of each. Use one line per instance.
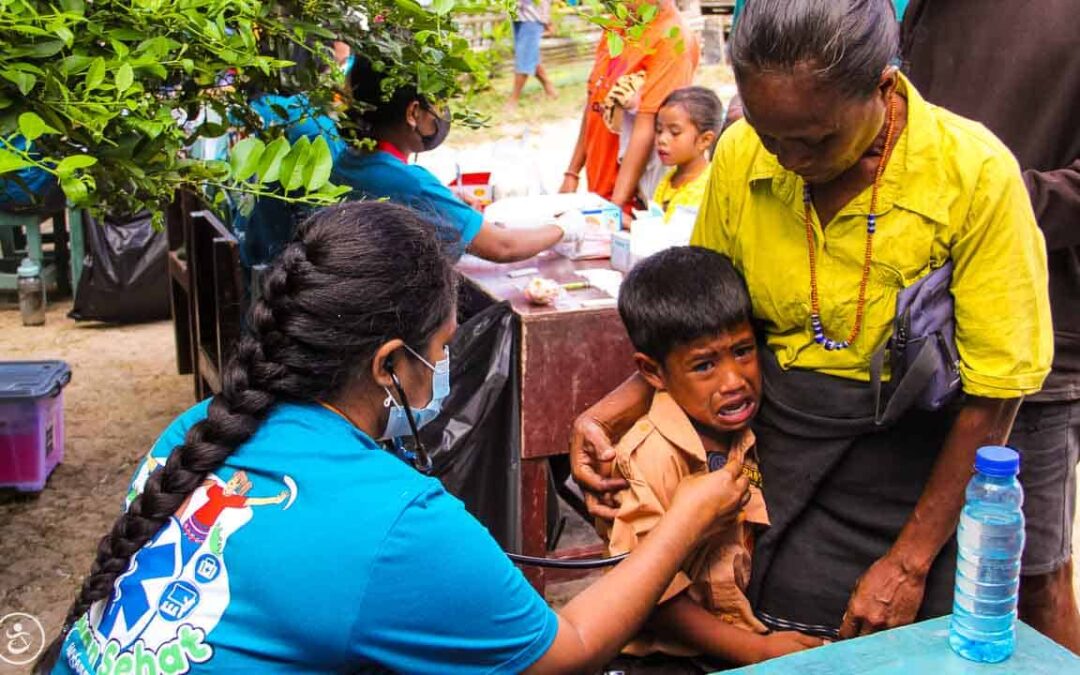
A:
(661, 450)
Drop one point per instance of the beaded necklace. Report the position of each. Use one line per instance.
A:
(871, 226)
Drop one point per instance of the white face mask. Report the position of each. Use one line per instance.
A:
(398, 425)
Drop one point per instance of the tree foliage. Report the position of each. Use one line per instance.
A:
(111, 93)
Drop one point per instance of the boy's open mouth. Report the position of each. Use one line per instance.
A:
(736, 412)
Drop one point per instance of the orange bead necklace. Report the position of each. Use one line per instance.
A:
(871, 227)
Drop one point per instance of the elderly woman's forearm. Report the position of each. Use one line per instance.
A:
(618, 411)
(981, 421)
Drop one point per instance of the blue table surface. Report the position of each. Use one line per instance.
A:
(920, 648)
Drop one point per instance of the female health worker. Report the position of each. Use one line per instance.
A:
(272, 532)
(405, 124)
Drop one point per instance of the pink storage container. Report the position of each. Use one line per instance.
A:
(31, 422)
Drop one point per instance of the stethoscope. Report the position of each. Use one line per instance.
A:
(419, 456)
(421, 461)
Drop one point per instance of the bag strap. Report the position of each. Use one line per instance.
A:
(909, 387)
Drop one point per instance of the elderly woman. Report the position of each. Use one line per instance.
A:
(841, 190)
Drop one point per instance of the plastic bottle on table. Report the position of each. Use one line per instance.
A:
(991, 541)
(31, 293)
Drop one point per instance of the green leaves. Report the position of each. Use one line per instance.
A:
(33, 127)
(442, 7)
(244, 158)
(95, 74)
(125, 77)
(270, 162)
(647, 11)
(291, 175)
(72, 163)
(23, 80)
(615, 44)
(320, 164)
(112, 93)
(10, 161)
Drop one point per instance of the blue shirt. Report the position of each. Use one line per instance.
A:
(300, 118)
(380, 175)
(313, 549)
(269, 225)
(24, 186)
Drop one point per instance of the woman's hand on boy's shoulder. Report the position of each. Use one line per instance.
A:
(591, 459)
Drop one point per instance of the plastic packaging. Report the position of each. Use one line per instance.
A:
(125, 279)
(31, 293)
(472, 443)
(31, 421)
(991, 541)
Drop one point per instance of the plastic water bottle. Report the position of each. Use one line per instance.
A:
(31, 289)
(991, 541)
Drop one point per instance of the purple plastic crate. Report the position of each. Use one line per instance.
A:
(31, 422)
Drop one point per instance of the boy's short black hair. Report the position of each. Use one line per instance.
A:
(679, 295)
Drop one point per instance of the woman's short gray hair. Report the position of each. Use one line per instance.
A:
(848, 42)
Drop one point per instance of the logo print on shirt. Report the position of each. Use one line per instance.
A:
(207, 568)
(176, 588)
(178, 600)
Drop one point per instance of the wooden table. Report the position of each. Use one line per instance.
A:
(920, 648)
(568, 357)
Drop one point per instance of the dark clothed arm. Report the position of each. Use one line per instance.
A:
(1056, 198)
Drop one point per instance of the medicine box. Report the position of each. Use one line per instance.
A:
(474, 187)
(31, 422)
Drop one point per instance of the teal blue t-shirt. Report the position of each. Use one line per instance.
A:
(380, 175)
(899, 5)
(312, 550)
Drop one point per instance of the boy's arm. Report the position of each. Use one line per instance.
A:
(682, 620)
(642, 504)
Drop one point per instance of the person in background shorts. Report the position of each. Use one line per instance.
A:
(533, 17)
(950, 49)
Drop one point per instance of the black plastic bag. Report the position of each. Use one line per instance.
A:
(473, 445)
(125, 278)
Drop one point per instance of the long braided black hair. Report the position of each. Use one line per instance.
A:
(355, 276)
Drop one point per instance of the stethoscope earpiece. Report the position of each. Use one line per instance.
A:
(421, 460)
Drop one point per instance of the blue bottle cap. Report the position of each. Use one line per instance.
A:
(28, 268)
(997, 460)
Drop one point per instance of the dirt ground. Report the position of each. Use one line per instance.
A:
(124, 390)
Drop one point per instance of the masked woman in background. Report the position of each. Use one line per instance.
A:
(405, 124)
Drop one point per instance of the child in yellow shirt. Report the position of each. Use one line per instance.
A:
(687, 126)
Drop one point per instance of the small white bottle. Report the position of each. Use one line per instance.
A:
(31, 293)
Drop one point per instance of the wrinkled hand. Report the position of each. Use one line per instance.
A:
(569, 184)
(591, 456)
(783, 643)
(886, 596)
(716, 497)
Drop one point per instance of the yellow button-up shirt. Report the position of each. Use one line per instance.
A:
(950, 190)
(660, 451)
